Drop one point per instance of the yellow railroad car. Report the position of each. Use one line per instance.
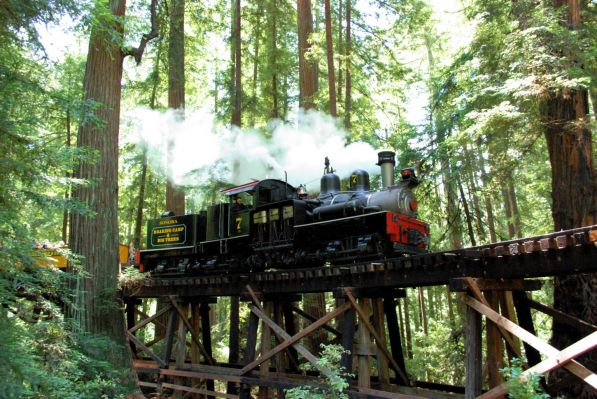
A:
(49, 257)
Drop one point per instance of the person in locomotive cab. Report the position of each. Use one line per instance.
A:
(237, 203)
(302, 192)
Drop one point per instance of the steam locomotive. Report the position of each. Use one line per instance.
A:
(282, 228)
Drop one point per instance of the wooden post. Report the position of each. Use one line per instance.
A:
(245, 391)
(474, 377)
(130, 321)
(525, 320)
(234, 342)
(266, 343)
(195, 352)
(495, 359)
(206, 337)
(378, 322)
(181, 346)
(281, 358)
(291, 330)
(172, 318)
(507, 308)
(364, 351)
(348, 321)
(394, 333)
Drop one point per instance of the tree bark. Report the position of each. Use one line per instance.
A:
(141, 203)
(515, 213)
(67, 193)
(274, 57)
(96, 237)
(256, 40)
(307, 70)
(467, 213)
(340, 51)
(407, 330)
(574, 201)
(330, 56)
(347, 91)
(175, 197)
(236, 42)
(422, 310)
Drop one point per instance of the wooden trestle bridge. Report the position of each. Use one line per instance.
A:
(492, 280)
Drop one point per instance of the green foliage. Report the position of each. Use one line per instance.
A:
(435, 354)
(131, 277)
(44, 360)
(331, 386)
(522, 388)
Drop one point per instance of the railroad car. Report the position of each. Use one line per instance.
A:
(269, 224)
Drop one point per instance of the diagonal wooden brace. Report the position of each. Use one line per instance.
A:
(150, 319)
(479, 295)
(184, 319)
(365, 319)
(282, 334)
(145, 349)
(573, 366)
(553, 362)
(292, 340)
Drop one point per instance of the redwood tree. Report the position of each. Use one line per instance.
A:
(307, 70)
(237, 64)
(574, 196)
(176, 94)
(95, 236)
(330, 56)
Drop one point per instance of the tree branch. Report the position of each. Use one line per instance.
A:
(137, 52)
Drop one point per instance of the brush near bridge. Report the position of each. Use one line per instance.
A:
(492, 280)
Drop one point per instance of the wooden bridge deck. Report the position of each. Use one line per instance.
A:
(365, 293)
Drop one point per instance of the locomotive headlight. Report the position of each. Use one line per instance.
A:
(414, 205)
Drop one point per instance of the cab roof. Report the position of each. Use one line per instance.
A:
(243, 188)
(264, 191)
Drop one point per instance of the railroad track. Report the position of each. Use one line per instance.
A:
(565, 252)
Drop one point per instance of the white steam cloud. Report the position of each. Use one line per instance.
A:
(203, 148)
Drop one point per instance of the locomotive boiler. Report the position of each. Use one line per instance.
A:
(279, 226)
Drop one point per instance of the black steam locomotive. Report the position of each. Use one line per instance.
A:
(280, 227)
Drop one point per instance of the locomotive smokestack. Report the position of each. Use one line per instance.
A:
(386, 160)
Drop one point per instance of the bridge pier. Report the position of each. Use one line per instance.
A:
(491, 281)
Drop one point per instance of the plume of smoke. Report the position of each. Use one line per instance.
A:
(202, 148)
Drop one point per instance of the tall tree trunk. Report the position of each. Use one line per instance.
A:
(236, 41)
(347, 91)
(467, 213)
(307, 70)
(478, 216)
(141, 202)
(314, 304)
(423, 311)
(340, 51)
(273, 67)
(514, 207)
(143, 178)
(574, 200)
(508, 211)
(96, 238)
(407, 329)
(67, 193)
(487, 197)
(330, 55)
(256, 40)
(450, 307)
(175, 198)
